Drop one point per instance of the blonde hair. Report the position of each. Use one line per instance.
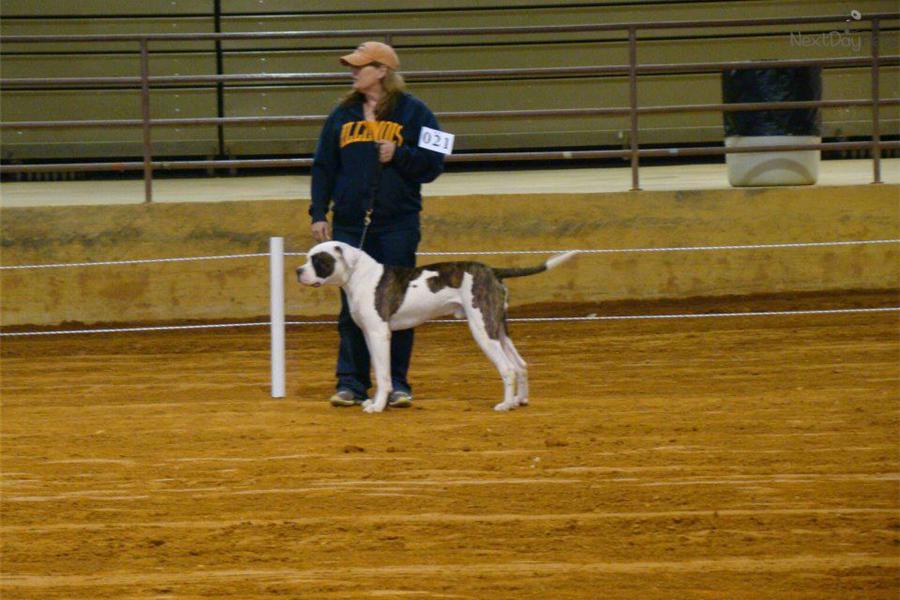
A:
(393, 86)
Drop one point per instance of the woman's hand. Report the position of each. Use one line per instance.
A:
(386, 151)
(320, 231)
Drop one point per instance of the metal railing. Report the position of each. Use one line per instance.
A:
(632, 70)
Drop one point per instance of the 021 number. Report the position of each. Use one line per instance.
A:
(438, 141)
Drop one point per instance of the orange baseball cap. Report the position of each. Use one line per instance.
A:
(370, 52)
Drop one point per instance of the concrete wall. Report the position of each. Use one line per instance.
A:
(235, 289)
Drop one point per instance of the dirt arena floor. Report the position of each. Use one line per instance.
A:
(727, 458)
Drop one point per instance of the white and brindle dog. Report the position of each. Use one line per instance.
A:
(385, 298)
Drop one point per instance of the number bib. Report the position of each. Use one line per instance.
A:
(438, 141)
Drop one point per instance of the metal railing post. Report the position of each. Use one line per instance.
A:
(220, 86)
(632, 110)
(145, 118)
(876, 106)
(633, 106)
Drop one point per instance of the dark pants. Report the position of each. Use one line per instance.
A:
(396, 248)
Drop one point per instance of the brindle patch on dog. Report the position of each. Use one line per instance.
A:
(448, 275)
(489, 296)
(323, 264)
(391, 289)
(395, 281)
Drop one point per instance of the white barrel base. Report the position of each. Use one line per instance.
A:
(772, 168)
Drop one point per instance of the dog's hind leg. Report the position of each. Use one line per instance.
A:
(521, 368)
(493, 349)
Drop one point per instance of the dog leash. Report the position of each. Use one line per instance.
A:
(376, 181)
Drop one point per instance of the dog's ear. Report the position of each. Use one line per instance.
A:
(349, 255)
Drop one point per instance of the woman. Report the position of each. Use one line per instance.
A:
(367, 158)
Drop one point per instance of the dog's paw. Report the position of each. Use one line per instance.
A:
(523, 401)
(504, 407)
(371, 406)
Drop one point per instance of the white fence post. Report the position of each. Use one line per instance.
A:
(276, 309)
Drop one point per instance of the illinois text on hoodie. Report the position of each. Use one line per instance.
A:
(346, 171)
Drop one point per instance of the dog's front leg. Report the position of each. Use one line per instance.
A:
(378, 340)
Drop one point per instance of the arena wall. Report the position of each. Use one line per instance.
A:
(238, 288)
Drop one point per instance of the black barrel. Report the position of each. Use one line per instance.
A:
(772, 85)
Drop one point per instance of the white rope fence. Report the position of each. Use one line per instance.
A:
(139, 261)
(132, 329)
(466, 253)
(277, 323)
(671, 249)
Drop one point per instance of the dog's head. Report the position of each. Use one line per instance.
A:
(328, 263)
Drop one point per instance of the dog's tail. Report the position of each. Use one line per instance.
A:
(553, 261)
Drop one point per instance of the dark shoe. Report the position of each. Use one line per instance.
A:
(345, 398)
(399, 400)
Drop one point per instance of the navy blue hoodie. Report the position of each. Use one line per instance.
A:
(345, 166)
